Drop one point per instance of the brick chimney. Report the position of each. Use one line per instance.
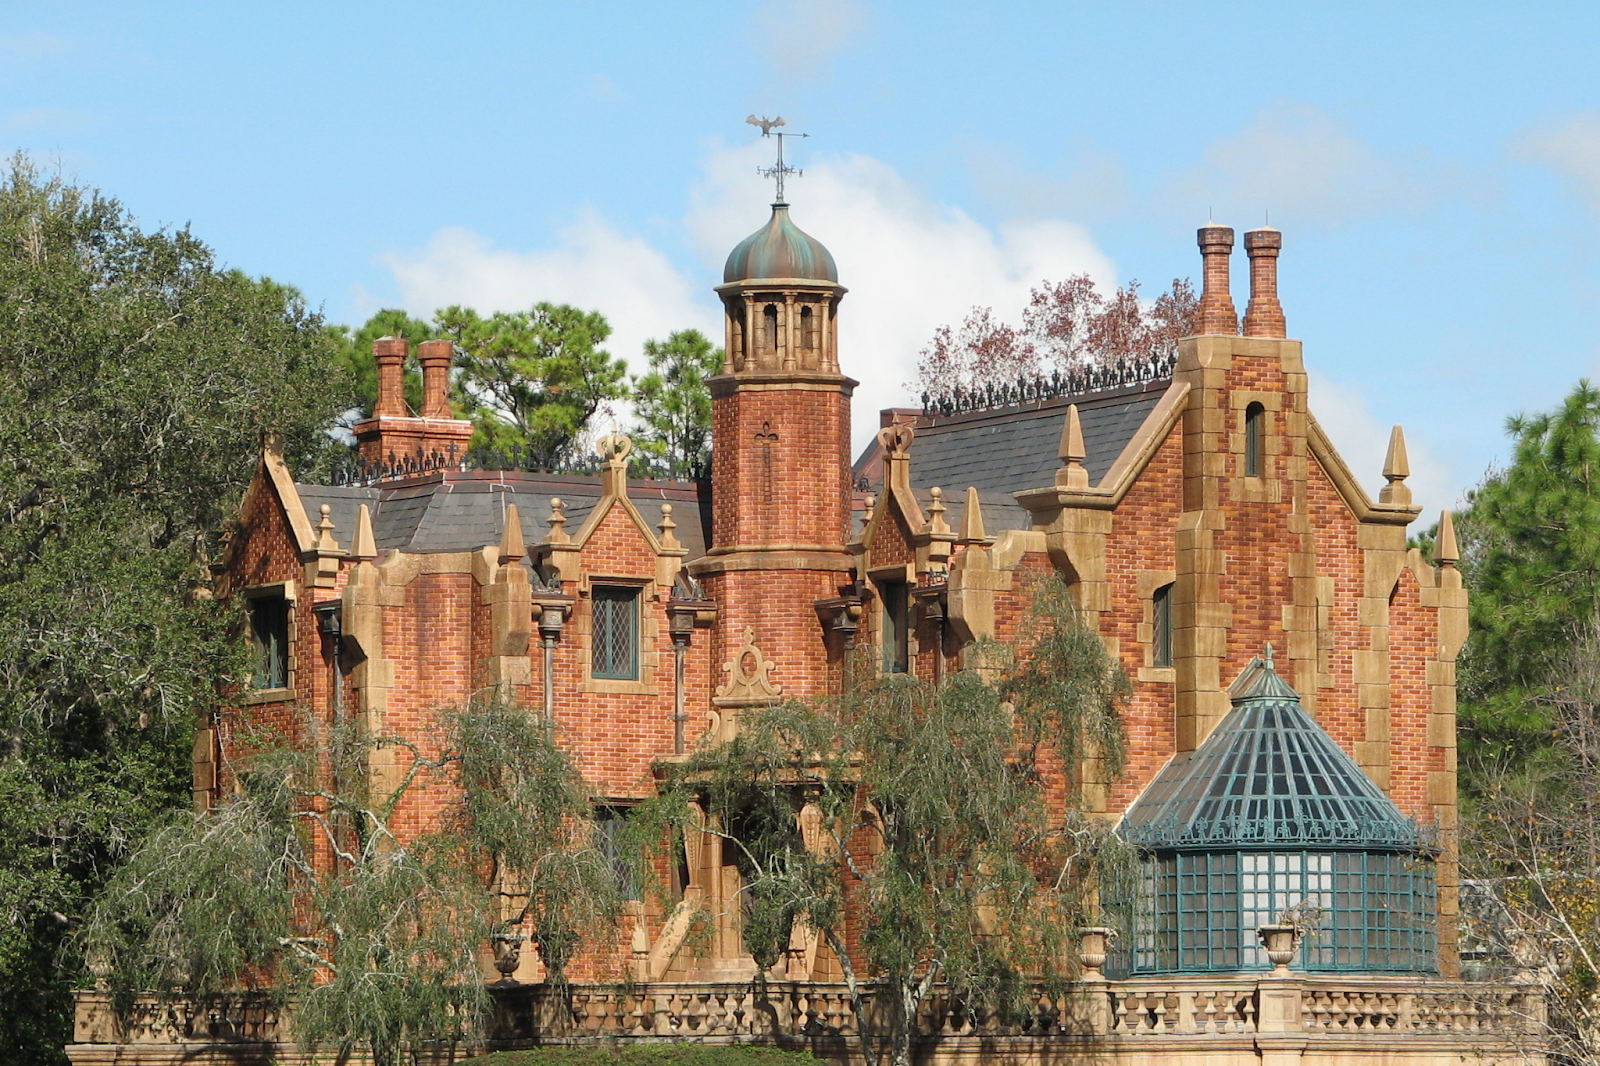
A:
(435, 358)
(1264, 316)
(390, 355)
(1216, 305)
(393, 434)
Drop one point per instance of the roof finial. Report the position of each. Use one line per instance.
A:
(780, 170)
(1072, 474)
(511, 544)
(1445, 550)
(1396, 468)
(1269, 655)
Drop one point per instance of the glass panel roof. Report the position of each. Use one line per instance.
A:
(1268, 775)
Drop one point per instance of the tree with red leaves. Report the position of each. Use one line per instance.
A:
(1067, 325)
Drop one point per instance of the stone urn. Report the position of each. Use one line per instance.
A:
(1093, 943)
(1280, 942)
(507, 955)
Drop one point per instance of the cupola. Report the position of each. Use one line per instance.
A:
(1269, 815)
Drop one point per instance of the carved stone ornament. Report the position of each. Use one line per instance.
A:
(749, 676)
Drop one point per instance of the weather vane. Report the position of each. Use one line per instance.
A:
(778, 172)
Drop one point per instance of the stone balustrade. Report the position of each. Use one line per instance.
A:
(1187, 1013)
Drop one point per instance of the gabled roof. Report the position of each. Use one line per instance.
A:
(1269, 776)
(1011, 449)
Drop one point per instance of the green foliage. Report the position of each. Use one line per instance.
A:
(673, 405)
(977, 877)
(135, 378)
(1530, 542)
(298, 884)
(646, 1055)
(355, 355)
(532, 380)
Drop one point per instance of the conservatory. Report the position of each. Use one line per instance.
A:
(1270, 821)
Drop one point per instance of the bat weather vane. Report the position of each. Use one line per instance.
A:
(781, 170)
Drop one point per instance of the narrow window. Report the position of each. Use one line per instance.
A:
(614, 637)
(269, 634)
(896, 642)
(1254, 415)
(1161, 604)
(609, 824)
(808, 329)
(769, 318)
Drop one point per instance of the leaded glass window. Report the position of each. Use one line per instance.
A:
(614, 636)
(1199, 911)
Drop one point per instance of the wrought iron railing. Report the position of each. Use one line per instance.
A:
(1078, 381)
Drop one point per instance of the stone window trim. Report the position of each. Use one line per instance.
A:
(879, 575)
(649, 631)
(250, 695)
(1267, 486)
(1149, 583)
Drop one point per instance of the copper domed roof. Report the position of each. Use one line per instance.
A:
(780, 249)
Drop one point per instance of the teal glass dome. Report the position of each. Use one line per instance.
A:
(780, 249)
(1270, 815)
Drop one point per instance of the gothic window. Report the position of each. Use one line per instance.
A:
(896, 627)
(1254, 417)
(269, 637)
(1161, 635)
(614, 635)
(609, 825)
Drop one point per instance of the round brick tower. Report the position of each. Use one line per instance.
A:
(780, 466)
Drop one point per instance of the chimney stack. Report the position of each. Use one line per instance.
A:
(1264, 316)
(435, 358)
(390, 355)
(1216, 305)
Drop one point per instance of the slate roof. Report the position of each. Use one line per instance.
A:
(1012, 449)
(1267, 777)
(462, 511)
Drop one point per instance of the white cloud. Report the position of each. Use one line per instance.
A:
(1304, 165)
(1364, 442)
(1571, 147)
(592, 266)
(910, 264)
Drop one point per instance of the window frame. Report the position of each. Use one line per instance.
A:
(614, 592)
(284, 593)
(1255, 422)
(1161, 626)
(894, 596)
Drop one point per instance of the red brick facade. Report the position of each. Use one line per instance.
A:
(1294, 554)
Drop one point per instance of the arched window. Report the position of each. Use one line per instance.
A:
(1254, 416)
(808, 330)
(1161, 643)
(769, 320)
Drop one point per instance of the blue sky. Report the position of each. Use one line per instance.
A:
(1435, 168)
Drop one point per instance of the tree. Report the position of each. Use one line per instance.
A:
(673, 405)
(532, 380)
(1531, 852)
(1530, 541)
(944, 803)
(135, 378)
(299, 884)
(1066, 325)
(355, 353)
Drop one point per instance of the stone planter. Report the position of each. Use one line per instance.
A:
(1280, 941)
(1093, 943)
